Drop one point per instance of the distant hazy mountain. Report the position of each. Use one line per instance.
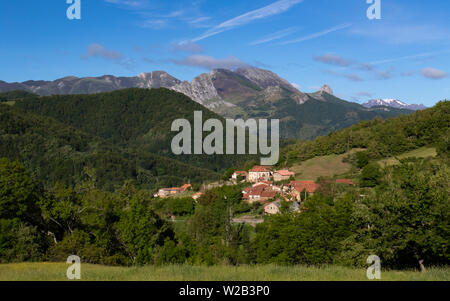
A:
(393, 103)
(90, 85)
(242, 93)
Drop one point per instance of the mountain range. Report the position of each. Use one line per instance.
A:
(241, 93)
(393, 103)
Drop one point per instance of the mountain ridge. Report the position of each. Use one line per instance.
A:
(393, 103)
(242, 93)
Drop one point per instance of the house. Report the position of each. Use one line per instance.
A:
(298, 187)
(260, 192)
(282, 175)
(272, 208)
(166, 192)
(242, 174)
(260, 173)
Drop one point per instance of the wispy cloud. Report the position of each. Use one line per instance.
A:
(99, 51)
(208, 62)
(275, 8)
(154, 24)
(402, 34)
(275, 36)
(317, 34)
(350, 76)
(134, 4)
(411, 57)
(187, 46)
(432, 73)
(332, 59)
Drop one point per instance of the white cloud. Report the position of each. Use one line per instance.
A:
(100, 51)
(97, 50)
(275, 8)
(433, 73)
(208, 62)
(317, 34)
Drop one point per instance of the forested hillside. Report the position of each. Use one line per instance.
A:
(399, 212)
(55, 152)
(14, 95)
(135, 119)
(381, 138)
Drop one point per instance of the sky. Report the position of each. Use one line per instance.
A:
(404, 55)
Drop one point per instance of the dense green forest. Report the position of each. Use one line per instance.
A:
(14, 95)
(55, 152)
(400, 213)
(134, 119)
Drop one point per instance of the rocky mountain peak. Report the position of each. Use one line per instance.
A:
(157, 79)
(327, 89)
(265, 78)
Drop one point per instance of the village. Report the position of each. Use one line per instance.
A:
(268, 187)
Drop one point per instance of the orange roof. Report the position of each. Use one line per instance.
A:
(240, 172)
(185, 186)
(260, 169)
(285, 172)
(268, 194)
(310, 186)
(259, 190)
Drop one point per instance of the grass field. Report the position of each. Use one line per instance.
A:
(57, 272)
(324, 166)
(423, 152)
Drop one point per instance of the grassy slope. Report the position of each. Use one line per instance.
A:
(332, 165)
(57, 272)
(423, 152)
(324, 166)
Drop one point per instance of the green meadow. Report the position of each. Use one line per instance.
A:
(57, 272)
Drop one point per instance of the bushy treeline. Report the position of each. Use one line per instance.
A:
(113, 228)
(14, 95)
(54, 152)
(404, 220)
(381, 138)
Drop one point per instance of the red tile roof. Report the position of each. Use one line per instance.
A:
(268, 194)
(344, 181)
(259, 191)
(240, 172)
(285, 173)
(310, 186)
(260, 169)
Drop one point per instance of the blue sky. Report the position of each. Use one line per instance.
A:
(405, 55)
